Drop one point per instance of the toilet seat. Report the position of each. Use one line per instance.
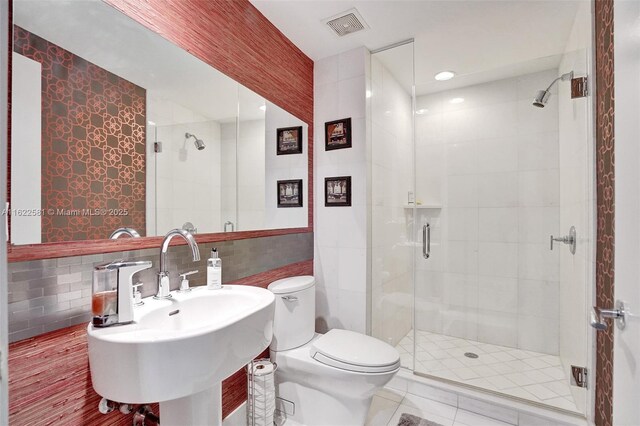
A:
(355, 352)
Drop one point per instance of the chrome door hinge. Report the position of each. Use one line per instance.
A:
(579, 376)
(157, 147)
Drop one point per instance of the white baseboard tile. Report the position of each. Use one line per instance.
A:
(488, 409)
(485, 404)
(525, 419)
(439, 395)
(399, 382)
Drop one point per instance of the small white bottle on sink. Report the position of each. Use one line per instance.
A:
(214, 271)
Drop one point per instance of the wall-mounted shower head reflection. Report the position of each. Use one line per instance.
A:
(542, 97)
(197, 142)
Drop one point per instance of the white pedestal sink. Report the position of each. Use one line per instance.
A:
(177, 351)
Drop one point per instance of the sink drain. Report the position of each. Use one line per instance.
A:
(471, 355)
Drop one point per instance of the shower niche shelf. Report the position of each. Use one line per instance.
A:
(423, 206)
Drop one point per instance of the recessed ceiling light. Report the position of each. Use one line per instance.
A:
(368, 93)
(444, 75)
(263, 107)
(422, 111)
(456, 101)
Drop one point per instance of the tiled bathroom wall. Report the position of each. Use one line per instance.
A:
(492, 162)
(184, 174)
(340, 261)
(172, 197)
(228, 165)
(46, 295)
(282, 167)
(250, 169)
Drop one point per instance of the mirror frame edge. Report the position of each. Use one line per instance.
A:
(28, 252)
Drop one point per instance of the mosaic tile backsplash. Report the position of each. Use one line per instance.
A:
(46, 295)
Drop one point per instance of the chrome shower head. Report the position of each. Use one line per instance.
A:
(197, 142)
(541, 98)
(543, 95)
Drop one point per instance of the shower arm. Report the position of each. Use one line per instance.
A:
(564, 77)
(186, 138)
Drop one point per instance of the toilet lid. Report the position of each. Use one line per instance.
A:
(353, 351)
(291, 284)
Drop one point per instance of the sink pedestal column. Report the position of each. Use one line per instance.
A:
(202, 408)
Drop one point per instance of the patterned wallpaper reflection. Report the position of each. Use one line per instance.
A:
(93, 145)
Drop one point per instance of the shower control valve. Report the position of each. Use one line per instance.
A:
(567, 239)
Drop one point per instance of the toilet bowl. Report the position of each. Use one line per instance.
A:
(323, 379)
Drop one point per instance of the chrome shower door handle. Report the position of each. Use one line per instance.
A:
(598, 316)
(426, 241)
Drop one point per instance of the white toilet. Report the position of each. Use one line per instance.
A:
(328, 379)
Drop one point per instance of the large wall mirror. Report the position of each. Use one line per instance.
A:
(114, 126)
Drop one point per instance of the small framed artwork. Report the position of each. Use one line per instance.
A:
(337, 191)
(337, 134)
(290, 193)
(289, 140)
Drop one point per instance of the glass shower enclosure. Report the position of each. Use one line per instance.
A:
(470, 185)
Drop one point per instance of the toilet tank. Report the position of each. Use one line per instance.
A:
(294, 321)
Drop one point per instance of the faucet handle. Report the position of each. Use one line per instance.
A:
(184, 284)
(137, 296)
(186, 274)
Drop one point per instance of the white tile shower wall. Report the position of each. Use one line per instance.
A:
(340, 260)
(576, 201)
(185, 174)
(181, 173)
(283, 167)
(391, 166)
(250, 165)
(492, 163)
(228, 184)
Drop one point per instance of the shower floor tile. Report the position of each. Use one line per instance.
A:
(534, 376)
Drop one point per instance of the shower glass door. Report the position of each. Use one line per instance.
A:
(470, 181)
(390, 97)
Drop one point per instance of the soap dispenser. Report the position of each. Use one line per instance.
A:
(112, 292)
(214, 271)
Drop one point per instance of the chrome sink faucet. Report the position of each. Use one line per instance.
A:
(164, 285)
(124, 231)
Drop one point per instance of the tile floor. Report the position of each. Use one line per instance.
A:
(389, 404)
(529, 375)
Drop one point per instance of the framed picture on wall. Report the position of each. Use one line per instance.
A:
(290, 193)
(337, 191)
(337, 134)
(289, 140)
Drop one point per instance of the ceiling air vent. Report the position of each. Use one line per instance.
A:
(347, 23)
